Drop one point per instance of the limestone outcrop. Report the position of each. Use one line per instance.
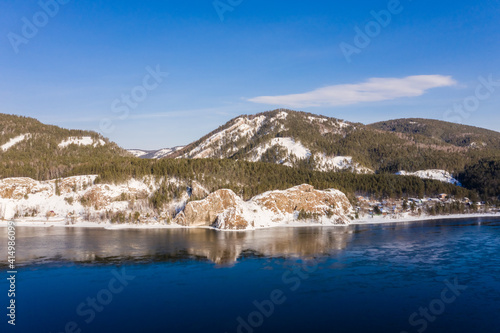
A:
(223, 209)
(204, 212)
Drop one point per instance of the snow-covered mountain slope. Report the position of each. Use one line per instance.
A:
(317, 142)
(154, 154)
(280, 136)
(441, 175)
(224, 143)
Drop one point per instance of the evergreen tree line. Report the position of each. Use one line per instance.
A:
(484, 177)
(249, 179)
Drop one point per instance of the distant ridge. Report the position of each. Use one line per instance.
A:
(154, 154)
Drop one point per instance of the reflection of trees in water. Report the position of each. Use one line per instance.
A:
(38, 245)
(99, 246)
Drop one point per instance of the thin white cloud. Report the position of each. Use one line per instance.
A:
(372, 90)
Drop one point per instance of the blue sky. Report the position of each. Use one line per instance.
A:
(76, 70)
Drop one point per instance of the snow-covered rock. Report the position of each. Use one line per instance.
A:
(224, 210)
(25, 197)
(436, 174)
(204, 212)
(197, 190)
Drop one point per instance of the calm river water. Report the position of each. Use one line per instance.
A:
(432, 276)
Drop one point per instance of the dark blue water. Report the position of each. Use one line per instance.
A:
(439, 276)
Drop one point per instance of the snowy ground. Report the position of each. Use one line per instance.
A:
(408, 218)
(59, 222)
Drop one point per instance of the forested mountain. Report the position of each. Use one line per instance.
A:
(271, 150)
(483, 177)
(436, 131)
(327, 144)
(30, 148)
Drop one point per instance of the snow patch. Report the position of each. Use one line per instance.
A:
(81, 141)
(436, 174)
(282, 115)
(294, 148)
(14, 141)
(342, 124)
(337, 163)
(475, 144)
(313, 119)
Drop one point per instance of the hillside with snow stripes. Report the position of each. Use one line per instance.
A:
(275, 137)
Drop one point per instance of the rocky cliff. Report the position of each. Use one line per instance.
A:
(80, 198)
(223, 209)
(205, 212)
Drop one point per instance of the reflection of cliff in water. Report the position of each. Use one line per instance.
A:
(227, 247)
(82, 245)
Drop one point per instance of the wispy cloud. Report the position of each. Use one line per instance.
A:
(372, 90)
